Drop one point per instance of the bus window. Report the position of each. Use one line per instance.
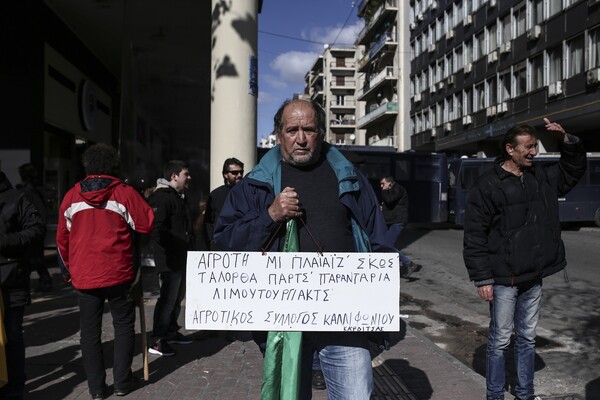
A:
(402, 170)
(427, 172)
(374, 171)
(594, 172)
(469, 173)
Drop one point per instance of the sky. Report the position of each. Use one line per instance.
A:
(292, 34)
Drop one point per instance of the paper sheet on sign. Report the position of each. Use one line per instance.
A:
(292, 291)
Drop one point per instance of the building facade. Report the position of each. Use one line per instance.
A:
(479, 67)
(331, 82)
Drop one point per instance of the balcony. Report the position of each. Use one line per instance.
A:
(380, 113)
(387, 141)
(376, 81)
(317, 95)
(343, 125)
(386, 41)
(344, 85)
(316, 80)
(342, 107)
(361, 7)
(342, 69)
(384, 13)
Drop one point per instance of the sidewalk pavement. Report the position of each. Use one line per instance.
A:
(211, 367)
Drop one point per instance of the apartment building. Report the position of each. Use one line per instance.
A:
(480, 66)
(331, 81)
(382, 68)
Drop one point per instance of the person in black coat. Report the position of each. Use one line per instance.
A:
(395, 212)
(512, 240)
(21, 227)
(233, 172)
(29, 180)
(172, 238)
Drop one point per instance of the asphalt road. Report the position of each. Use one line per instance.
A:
(442, 303)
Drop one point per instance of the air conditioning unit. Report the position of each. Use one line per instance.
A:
(492, 3)
(434, 5)
(554, 89)
(420, 17)
(593, 2)
(447, 127)
(502, 107)
(467, 120)
(450, 34)
(413, 26)
(593, 75)
(417, 98)
(450, 80)
(505, 47)
(492, 57)
(490, 111)
(534, 33)
(431, 47)
(440, 85)
(433, 132)
(468, 20)
(468, 68)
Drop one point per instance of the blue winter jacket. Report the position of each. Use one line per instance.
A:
(245, 224)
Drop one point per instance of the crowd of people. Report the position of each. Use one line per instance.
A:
(511, 242)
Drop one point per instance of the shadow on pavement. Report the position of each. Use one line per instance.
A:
(54, 366)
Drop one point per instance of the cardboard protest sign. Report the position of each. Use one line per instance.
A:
(292, 291)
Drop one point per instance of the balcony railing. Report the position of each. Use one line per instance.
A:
(387, 72)
(386, 108)
(388, 4)
(387, 38)
(316, 95)
(347, 84)
(346, 103)
(347, 64)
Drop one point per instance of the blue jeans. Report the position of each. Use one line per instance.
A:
(168, 305)
(122, 310)
(347, 371)
(518, 308)
(394, 231)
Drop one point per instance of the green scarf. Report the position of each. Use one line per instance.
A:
(282, 363)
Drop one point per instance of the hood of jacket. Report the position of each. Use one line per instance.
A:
(162, 183)
(268, 171)
(97, 189)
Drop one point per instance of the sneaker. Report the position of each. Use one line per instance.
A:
(318, 380)
(161, 348)
(406, 271)
(179, 339)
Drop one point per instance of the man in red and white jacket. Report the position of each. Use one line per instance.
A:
(95, 237)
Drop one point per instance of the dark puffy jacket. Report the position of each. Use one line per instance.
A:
(172, 234)
(395, 205)
(20, 228)
(213, 209)
(512, 228)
